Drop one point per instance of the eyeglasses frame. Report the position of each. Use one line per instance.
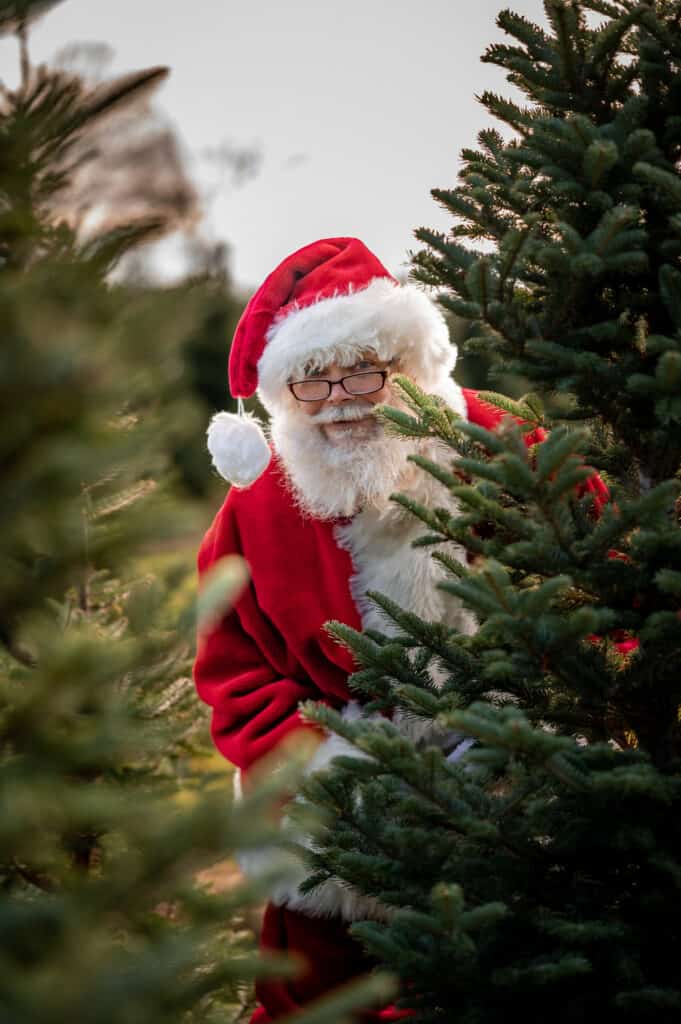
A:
(341, 380)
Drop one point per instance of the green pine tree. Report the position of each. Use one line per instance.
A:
(537, 877)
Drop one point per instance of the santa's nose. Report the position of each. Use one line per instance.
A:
(338, 393)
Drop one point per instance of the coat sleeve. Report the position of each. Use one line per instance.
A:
(490, 417)
(254, 705)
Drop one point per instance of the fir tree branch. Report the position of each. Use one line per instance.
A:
(18, 651)
(38, 879)
(25, 64)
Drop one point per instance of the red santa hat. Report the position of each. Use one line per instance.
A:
(323, 304)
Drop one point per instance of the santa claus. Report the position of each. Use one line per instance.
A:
(320, 341)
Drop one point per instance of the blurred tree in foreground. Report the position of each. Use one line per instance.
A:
(538, 875)
(105, 824)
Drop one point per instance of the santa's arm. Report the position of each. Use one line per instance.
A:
(253, 705)
(491, 417)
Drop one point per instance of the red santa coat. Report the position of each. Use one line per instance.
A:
(271, 651)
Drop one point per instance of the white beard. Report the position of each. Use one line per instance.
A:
(337, 479)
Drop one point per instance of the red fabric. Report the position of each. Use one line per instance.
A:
(330, 266)
(490, 417)
(331, 957)
(271, 651)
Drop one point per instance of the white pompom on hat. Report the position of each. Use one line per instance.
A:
(326, 303)
(238, 447)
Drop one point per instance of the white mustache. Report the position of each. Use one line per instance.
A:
(343, 413)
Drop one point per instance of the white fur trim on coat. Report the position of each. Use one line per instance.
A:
(333, 897)
(385, 318)
(380, 544)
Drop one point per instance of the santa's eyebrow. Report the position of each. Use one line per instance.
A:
(313, 370)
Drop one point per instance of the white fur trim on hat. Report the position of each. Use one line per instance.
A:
(385, 318)
(238, 447)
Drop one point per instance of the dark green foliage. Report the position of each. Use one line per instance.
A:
(537, 875)
(579, 292)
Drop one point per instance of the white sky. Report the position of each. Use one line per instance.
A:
(360, 107)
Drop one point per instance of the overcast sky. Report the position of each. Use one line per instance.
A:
(359, 108)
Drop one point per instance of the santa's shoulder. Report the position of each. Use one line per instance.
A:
(480, 412)
(250, 517)
(269, 496)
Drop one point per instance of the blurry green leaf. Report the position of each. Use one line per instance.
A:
(220, 589)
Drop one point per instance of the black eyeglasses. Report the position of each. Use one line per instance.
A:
(315, 389)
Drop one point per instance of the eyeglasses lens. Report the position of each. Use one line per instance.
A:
(364, 383)
(311, 390)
